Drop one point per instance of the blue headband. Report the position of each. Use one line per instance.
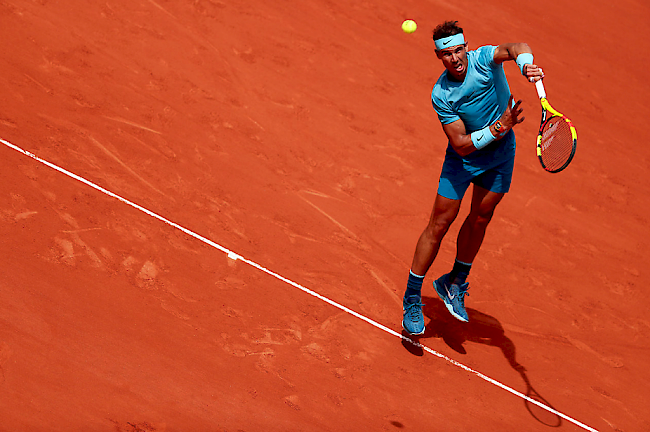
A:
(450, 41)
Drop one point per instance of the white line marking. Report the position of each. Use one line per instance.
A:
(235, 256)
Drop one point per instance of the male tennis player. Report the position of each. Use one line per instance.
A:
(474, 105)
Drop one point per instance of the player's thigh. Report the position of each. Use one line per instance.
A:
(445, 210)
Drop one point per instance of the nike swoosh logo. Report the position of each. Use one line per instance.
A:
(451, 297)
(447, 42)
(479, 138)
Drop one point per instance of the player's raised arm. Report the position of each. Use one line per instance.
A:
(523, 55)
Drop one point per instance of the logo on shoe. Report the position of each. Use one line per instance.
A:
(451, 297)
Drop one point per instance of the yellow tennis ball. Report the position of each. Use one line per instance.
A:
(409, 26)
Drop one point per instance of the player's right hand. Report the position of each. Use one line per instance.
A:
(533, 73)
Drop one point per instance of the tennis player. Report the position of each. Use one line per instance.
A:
(477, 113)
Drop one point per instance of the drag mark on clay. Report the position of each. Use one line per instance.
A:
(196, 38)
(126, 167)
(162, 8)
(379, 280)
(130, 123)
(8, 123)
(319, 194)
(45, 89)
(614, 362)
(334, 221)
(76, 238)
(80, 230)
(24, 215)
(378, 276)
(236, 257)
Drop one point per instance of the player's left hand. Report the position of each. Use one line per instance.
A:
(533, 73)
(512, 115)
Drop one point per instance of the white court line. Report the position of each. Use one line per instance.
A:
(235, 256)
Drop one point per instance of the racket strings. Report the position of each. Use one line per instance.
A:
(556, 143)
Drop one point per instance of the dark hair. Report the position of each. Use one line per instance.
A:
(447, 28)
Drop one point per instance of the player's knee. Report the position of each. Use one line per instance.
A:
(483, 218)
(439, 226)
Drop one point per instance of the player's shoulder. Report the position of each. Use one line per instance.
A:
(441, 87)
(483, 54)
(440, 91)
(485, 49)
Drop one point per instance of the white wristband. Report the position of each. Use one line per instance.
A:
(483, 137)
(524, 59)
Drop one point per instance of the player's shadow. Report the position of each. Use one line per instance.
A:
(483, 329)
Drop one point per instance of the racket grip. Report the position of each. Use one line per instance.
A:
(540, 89)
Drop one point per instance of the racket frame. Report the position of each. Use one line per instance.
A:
(546, 108)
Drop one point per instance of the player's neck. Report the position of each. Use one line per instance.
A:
(454, 78)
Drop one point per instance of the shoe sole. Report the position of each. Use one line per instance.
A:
(450, 308)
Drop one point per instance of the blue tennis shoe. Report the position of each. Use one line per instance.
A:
(453, 295)
(413, 321)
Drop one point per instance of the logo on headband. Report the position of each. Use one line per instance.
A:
(449, 41)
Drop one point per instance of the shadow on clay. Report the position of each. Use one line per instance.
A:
(483, 329)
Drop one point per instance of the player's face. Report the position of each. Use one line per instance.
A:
(455, 60)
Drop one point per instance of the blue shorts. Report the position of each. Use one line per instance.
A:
(490, 168)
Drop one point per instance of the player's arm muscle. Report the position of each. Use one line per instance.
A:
(510, 51)
(459, 139)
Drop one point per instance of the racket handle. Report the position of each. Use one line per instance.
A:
(540, 89)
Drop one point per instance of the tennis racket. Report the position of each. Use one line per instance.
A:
(557, 138)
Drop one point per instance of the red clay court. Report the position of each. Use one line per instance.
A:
(301, 137)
